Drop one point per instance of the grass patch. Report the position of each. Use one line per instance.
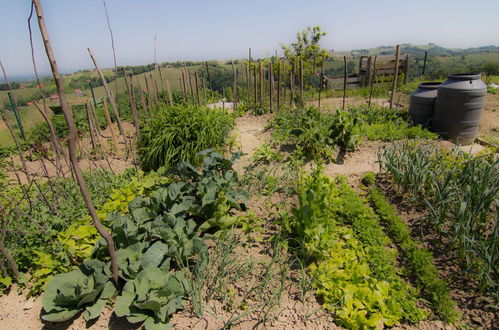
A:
(179, 133)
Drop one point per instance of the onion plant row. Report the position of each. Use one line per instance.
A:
(460, 192)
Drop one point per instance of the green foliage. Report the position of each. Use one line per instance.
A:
(87, 288)
(384, 124)
(315, 133)
(460, 192)
(369, 179)
(152, 297)
(420, 259)
(158, 245)
(306, 46)
(354, 271)
(179, 133)
(265, 154)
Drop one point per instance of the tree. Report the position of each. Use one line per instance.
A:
(306, 46)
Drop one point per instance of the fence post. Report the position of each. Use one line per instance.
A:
(394, 86)
(372, 81)
(344, 80)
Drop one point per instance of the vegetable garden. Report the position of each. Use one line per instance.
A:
(200, 229)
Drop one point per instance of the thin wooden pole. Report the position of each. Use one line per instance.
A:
(254, 82)
(248, 82)
(372, 81)
(109, 95)
(190, 86)
(301, 81)
(68, 115)
(149, 98)
(285, 83)
(183, 85)
(168, 89)
(292, 84)
(154, 89)
(424, 63)
(344, 80)
(90, 125)
(132, 105)
(248, 75)
(95, 119)
(234, 86)
(321, 82)
(109, 122)
(209, 78)
(406, 71)
(197, 87)
(278, 84)
(394, 86)
(260, 68)
(271, 84)
(161, 78)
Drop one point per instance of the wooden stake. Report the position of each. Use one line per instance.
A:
(321, 82)
(183, 85)
(254, 83)
(132, 105)
(197, 87)
(301, 81)
(285, 82)
(154, 89)
(148, 94)
(68, 115)
(109, 122)
(95, 119)
(90, 125)
(161, 78)
(406, 71)
(424, 63)
(395, 77)
(261, 83)
(344, 80)
(170, 98)
(278, 84)
(372, 81)
(190, 86)
(248, 82)
(271, 84)
(109, 95)
(234, 86)
(292, 84)
(209, 78)
(248, 77)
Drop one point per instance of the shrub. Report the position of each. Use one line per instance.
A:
(179, 133)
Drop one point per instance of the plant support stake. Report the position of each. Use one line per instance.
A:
(68, 115)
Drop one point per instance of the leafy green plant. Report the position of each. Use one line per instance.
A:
(158, 245)
(265, 154)
(460, 192)
(152, 297)
(88, 288)
(179, 133)
(420, 259)
(354, 271)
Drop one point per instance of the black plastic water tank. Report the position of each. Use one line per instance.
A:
(459, 106)
(422, 103)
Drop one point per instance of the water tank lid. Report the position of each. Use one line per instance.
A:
(429, 85)
(465, 76)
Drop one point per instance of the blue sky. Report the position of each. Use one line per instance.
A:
(222, 29)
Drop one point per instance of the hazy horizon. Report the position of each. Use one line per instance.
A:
(218, 30)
